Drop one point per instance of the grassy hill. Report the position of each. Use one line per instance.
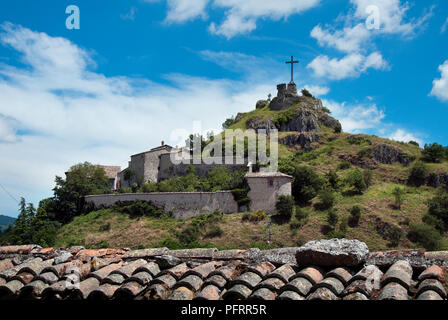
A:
(381, 226)
(5, 221)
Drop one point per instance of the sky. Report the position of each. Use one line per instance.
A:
(137, 72)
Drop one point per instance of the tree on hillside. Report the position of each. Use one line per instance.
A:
(82, 179)
(356, 180)
(433, 152)
(306, 184)
(398, 195)
(418, 175)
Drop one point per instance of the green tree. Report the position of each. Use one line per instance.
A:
(81, 180)
(333, 179)
(418, 174)
(230, 121)
(326, 199)
(438, 207)
(426, 236)
(398, 193)
(306, 184)
(285, 206)
(433, 152)
(355, 215)
(332, 218)
(355, 180)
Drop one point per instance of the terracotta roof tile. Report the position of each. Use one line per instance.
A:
(206, 274)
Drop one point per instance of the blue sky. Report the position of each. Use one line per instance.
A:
(141, 71)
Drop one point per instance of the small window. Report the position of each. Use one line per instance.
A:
(271, 182)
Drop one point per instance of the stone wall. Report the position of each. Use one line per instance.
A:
(183, 205)
(167, 169)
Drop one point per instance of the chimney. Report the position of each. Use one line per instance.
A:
(163, 143)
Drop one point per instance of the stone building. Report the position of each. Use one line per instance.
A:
(265, 188)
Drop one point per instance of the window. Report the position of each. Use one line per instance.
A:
(271, 182)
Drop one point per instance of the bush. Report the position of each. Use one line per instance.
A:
(139, 208)
(355, 215)
(344, 165)
(333, 179)
(355, 180)
(438, 208)
(426, 236)
(368, 177)
(306, 184)
(332, 218)
(415, 143)
(326, 110)
(149, 187)
(103, 245)
(256, 216)
(296, 224)
(214, 232)
(418, 174)
(326, 199)
(394, 234)
(433, 153)
(306, 93)
(285, 206)
(398, 193)
(189, 235)
(105, 227)
(338, 128)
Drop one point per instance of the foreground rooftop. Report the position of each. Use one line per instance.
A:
(32, 272)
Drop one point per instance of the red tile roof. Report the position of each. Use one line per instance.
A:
(209, 274)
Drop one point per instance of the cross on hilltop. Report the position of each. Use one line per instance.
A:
(292, 67)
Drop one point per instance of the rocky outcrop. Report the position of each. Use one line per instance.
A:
(356, 160)
(261, 104)
(438, 179)
(302, 140)
(260, 123)
(334, 252)
(300, 120)
(329, 121)
(388, 154)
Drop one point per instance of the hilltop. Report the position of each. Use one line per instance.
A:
(309, 138)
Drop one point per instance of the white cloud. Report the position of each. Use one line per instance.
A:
(355, 118)
(240, 16)
(355, 37)
(440, 86)
(350, 66)
(403, 136)
(56, 111)
(180, 11)
(444, 26)
(317, 90)
(345, 40)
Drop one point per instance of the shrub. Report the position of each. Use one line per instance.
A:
(256, 216)
(285, 206)
(332, 218)
(190, 234)
(415, 143)
(296, 224)
(344, 165)
(355, 180)
(333, 179)
(434, 221)
(418, 174)
(306, 184)
(103, 245)
(139, 208)
(306, 93)
(326, 110)
(105, 227)
(355, 215)
(149, 187)
(214, 232)
(438, 207)
(126, 190)
(171, 244)
(425, 235)
(282, 118)
(301, 214)
(228, 123)
(433, 153)
(368, 177)
(338, 128)
(398, 193)
(326, 199)
(394, 234)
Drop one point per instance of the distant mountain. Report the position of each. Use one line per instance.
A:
(5, 221)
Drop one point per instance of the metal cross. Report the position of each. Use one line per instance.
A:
(292, 67)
